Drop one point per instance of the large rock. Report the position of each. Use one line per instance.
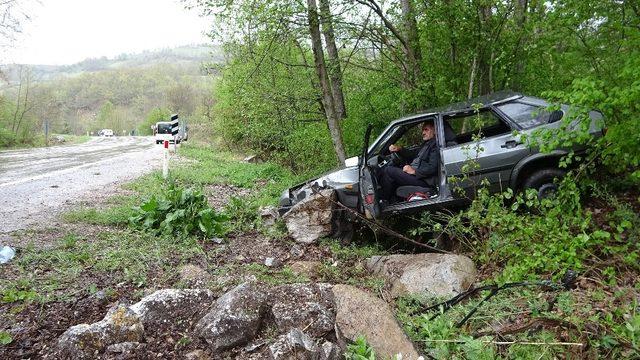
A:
(310, 219)
(434, 274)
(359, 313)
(295, 345)
(172, 306)
(303, 306)
(234, 319)
(83, 341)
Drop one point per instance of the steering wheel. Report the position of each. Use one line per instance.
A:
(393, 158)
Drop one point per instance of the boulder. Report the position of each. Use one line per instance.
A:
(234, 319)
(172, 306)
(310, 219)
(303, 306)
(443, 275)
(295, 345)
(359, 313)
(120, 325)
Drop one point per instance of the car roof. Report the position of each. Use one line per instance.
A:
(467, 105)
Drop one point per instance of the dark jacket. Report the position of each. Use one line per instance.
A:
(427, 161)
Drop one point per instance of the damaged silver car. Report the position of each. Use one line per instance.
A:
(491, 134)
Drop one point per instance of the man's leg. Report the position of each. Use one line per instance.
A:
(394, 177)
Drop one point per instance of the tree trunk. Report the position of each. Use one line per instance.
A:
(335, 72)
(321, 71)
(521, 18)
(484, 61)
(412, 48)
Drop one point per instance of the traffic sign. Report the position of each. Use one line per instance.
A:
(174, 124)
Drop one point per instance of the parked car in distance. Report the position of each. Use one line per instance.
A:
(491, 136)
(105, 133)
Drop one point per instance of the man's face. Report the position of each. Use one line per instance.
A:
(428, 132)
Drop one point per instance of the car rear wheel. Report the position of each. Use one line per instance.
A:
(543, 182)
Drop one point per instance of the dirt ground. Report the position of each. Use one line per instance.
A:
(35, 327)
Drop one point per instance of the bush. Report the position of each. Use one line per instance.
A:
(179, 212)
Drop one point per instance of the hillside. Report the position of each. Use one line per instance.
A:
(188, 56)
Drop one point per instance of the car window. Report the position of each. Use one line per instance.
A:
(411, 137)
(525, 115)
(483, 124)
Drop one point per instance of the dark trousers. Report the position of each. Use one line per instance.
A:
(393, 177)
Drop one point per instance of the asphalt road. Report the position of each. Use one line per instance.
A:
(36, 184)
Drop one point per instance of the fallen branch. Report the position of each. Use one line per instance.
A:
(541, 321)
(506, 342)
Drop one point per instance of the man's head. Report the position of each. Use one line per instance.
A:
(428, 130)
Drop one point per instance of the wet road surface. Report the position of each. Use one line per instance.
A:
(37, 183)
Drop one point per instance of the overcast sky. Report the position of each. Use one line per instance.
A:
(69, 31)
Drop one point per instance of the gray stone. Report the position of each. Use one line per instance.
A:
(269, 215)
(217, 240)
(194, 275)
(270, 262)
(196, 355)
(295, 345)
(172, 306)
(120, 325)
(303, 306)
(297, 251)
(310, 219)
(359, 313)
(442, 275)
(234, 319)
(307, 268)
(330, 351)
(251, 159)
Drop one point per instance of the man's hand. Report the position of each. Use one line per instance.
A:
(394, 148)
(409, 170)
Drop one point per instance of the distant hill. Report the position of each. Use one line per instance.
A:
(189, 56)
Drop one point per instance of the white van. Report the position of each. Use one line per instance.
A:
(162, 132)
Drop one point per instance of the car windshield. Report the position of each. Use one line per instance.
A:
(164, 128)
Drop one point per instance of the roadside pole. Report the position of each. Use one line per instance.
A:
(165, 161)
(174, 131)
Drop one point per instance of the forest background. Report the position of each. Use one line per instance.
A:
(300, 78)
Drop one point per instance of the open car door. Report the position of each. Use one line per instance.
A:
(369, 198)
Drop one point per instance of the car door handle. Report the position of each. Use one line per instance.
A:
(510, 144)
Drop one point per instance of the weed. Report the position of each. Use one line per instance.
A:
(360, 350)
(179, 211)
(5, 338)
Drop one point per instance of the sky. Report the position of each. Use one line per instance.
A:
(64, 32)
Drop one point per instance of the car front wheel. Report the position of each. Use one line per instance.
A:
(543, 182)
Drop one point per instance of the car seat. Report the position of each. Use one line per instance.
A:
(449, 135)
(408, 192)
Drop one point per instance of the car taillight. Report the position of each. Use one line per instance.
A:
(368, 199)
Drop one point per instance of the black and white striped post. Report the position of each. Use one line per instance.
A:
(175, 128)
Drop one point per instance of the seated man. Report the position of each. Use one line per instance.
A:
(422, 169)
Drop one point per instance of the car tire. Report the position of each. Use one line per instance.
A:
(542, 181)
